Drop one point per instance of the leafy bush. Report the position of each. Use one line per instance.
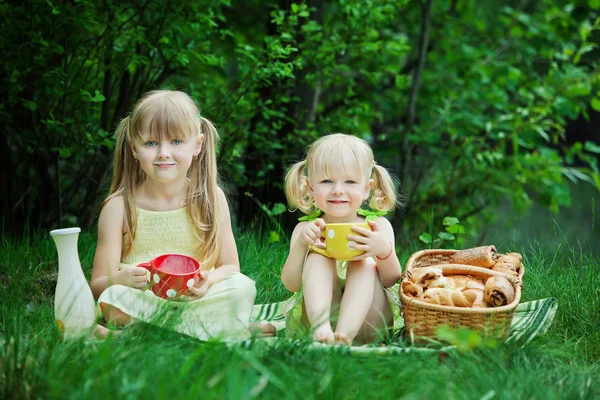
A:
(466, 103)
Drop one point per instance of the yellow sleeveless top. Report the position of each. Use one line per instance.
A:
(161, 232)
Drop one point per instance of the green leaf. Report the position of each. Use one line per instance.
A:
(30, 105)
(595, 103)
(425, 237)
(450, 221)
(278, 208)
(575, 175)
(273, 237)
(591, 147)
(311, 217)
(446, 236)
(456, 229)
(542, 133)
(98, 97)
(579, 89)
(65, 152)
(311, 26)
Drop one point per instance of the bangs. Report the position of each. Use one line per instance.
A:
(336, 158)
(166, 118)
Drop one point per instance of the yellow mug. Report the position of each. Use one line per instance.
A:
(336, 240)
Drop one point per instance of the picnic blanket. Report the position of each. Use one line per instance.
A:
(531, 319)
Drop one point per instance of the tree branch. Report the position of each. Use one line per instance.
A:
(414, 91)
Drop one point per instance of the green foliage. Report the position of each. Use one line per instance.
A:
(471, 110)
(464, 339)
(453, 231)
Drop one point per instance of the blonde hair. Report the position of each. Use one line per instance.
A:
(170, 114)
(328, 156)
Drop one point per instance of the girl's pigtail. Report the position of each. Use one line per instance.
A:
(204, 205)
(297, 190)
(122, 150)
(126, 174)
(383, 197)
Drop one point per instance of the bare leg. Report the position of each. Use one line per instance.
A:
(361, 277)
(114, 315)
(102, 332)
(318, 280)
(380, 317)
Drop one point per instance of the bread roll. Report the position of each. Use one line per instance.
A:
(424, 276)
(516, 255)
(509, 260)
(463, 282)
(411, 289)
(442, 282)
(483, 256)
(474, 297)
(505, 268)
(498, 291)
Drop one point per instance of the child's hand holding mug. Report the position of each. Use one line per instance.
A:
(132, 276)
(372, 242)
(312, 231)
(196, 292)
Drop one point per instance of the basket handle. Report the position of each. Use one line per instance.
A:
(406, 275)
(518, 282)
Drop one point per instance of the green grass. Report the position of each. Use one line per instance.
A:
(149, 362)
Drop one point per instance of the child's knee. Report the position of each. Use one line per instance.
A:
(318, 258)
(113, 314)
(319, 263)
(245, 287)
(368, 264)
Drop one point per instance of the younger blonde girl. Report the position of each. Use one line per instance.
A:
(335, 183)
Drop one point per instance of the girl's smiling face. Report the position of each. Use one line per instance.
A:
(165, 156)
(341, 194)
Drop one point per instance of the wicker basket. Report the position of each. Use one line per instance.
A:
(421, 319)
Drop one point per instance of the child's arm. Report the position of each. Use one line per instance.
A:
(108, 252)
(228, 260)
(304, 234)
(379, 244)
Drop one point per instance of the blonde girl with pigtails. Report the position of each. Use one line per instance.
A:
(341, 302)
(165, 198)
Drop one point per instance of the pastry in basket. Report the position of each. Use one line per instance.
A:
(449, 297)
(483, 256)
(516, 255)
(463, 282)
(509, 259)
(475, 297)
(424, 276)
(505, 268)
(412, 289)
(498, 291)
(442, 282)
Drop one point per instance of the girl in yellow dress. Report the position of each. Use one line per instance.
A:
(338, 176)
(165, 198)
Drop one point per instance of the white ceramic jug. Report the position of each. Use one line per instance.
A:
(74, 307)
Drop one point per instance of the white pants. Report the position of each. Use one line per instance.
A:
(223, 313)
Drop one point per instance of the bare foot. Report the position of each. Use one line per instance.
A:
(102, 332)
(342, 339)
(324, 334)
(262, 329)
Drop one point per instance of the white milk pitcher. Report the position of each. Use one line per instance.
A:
(74, 307)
